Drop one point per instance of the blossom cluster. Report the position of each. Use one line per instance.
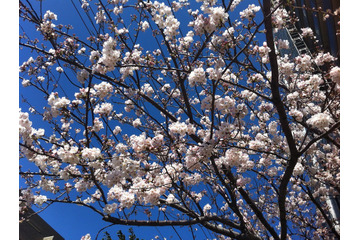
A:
(197, 76)
(109, 57)
(103, 90)
(57, 103)
(47, 26)
(181, 128)
(235, 157)
(68, 154)
(307, 32)
(217, 17)
(163, 17)
(142, 143)
(103, 109)
(320, 120)
(250, 12)
(279, 18)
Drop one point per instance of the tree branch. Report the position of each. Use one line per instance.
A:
(282, 118)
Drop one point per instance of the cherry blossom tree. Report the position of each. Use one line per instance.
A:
(180, 114)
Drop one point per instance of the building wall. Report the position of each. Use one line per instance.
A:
(326, 27)
(35, 228)
(327, 32)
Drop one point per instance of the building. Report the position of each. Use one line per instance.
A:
(35, 228)
(319, 16)
(323, 17)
